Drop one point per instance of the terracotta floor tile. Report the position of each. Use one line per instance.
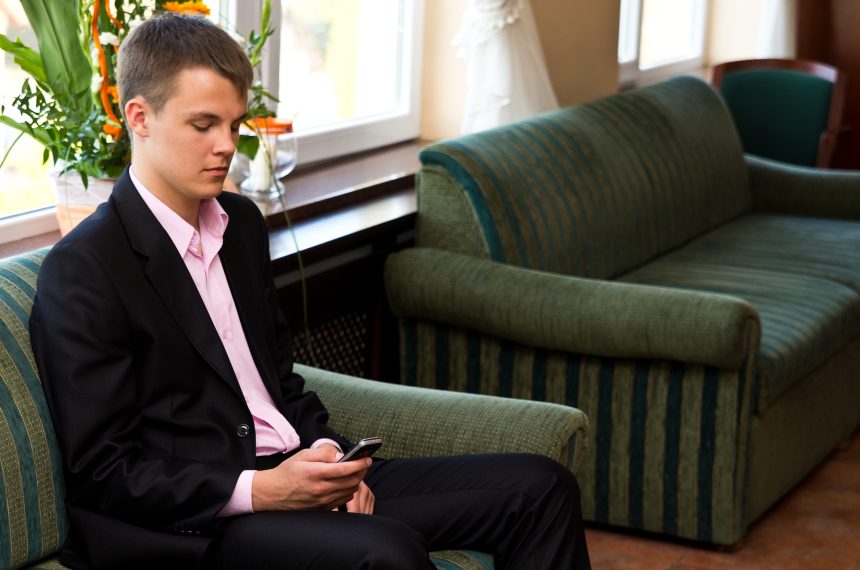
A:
(618, 551)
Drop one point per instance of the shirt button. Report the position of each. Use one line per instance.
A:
(242, 430)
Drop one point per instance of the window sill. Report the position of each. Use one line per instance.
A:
(330, 204)
(657, 75)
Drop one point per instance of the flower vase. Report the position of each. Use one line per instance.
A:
(276, 154)
(74, 202)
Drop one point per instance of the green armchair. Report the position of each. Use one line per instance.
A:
(413, 422)
(785, 109)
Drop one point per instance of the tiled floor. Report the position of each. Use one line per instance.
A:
(817, 526)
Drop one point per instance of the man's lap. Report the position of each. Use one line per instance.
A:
(422, 504)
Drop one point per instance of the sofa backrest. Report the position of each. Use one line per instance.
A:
(593, 190)
(33, 521)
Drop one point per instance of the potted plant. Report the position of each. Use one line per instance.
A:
(69, 103)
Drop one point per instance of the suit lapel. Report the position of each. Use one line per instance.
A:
(170, 278)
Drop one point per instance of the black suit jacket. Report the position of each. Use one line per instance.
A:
(152, 425)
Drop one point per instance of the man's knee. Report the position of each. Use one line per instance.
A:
(542, 474)
(387, 544)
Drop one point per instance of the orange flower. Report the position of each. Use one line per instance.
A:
(270, 125)
(112, 130)
(189, 7)
(113, 91)
(103, 67)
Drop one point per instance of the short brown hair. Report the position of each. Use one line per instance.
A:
(155, 52)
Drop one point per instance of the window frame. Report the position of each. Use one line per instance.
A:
(630, 72)
(348, 137)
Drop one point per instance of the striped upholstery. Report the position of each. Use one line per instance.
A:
(462, 560)
(32, 513)
(52, 564)
(593, 190)
(650, 189)
(802, 274)
(666, 439)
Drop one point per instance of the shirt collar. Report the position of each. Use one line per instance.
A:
(212, 218)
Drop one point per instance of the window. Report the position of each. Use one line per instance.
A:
(660, 37)
(348, 71)
(24, 183)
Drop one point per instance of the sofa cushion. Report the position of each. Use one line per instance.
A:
(32, 512)
(801, 274)
(593, 190)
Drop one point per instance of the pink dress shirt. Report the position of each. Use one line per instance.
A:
(199, 251)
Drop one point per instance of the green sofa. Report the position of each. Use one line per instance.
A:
(624, 257)
(414, 422)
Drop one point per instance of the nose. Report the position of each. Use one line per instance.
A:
(226, 141)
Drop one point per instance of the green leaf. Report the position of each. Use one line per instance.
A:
(248, 145)
(39, 135)
(65, 62)
(27, 59)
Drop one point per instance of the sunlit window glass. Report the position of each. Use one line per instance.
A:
(24, 182)
(628, 33)
(339, 60)
(671, 31)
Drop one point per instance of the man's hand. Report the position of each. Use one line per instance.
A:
(311, 479)
(363, 500)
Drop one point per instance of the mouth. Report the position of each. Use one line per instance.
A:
(217, 171)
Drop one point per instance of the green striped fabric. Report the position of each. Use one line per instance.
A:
(32, 512)
(593, 190)
(52, 564)
(801, 274)
(666, 440)
(462, 560)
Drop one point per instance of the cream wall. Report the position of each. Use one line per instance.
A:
(443, 81)
(579, 40)
(734, 30)
(580, 44)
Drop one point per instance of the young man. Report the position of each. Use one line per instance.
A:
(186, 439)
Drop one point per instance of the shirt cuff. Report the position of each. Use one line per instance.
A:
(325, 440)
(240, 502)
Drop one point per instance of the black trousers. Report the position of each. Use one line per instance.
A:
(525, 509)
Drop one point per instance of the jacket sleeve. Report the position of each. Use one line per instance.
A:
(84, 348)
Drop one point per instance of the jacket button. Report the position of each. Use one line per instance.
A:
(242, 430)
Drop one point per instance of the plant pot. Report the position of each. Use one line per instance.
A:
(74, 202)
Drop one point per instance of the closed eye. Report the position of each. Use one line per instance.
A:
(201, 128)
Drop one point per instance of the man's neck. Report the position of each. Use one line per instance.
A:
(187, 208)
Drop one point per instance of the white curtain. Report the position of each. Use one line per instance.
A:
(776, 37)
(507, 75)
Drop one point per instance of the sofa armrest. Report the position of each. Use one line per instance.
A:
(415, 422)
(788, 189)
(560, 312)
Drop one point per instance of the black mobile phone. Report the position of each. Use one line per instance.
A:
(364, 448)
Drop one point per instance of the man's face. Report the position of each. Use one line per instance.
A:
(184, 150)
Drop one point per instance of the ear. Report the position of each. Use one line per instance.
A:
(136, 113)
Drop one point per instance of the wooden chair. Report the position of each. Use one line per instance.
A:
(785, 109)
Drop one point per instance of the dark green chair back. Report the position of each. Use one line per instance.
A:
(782, 113)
